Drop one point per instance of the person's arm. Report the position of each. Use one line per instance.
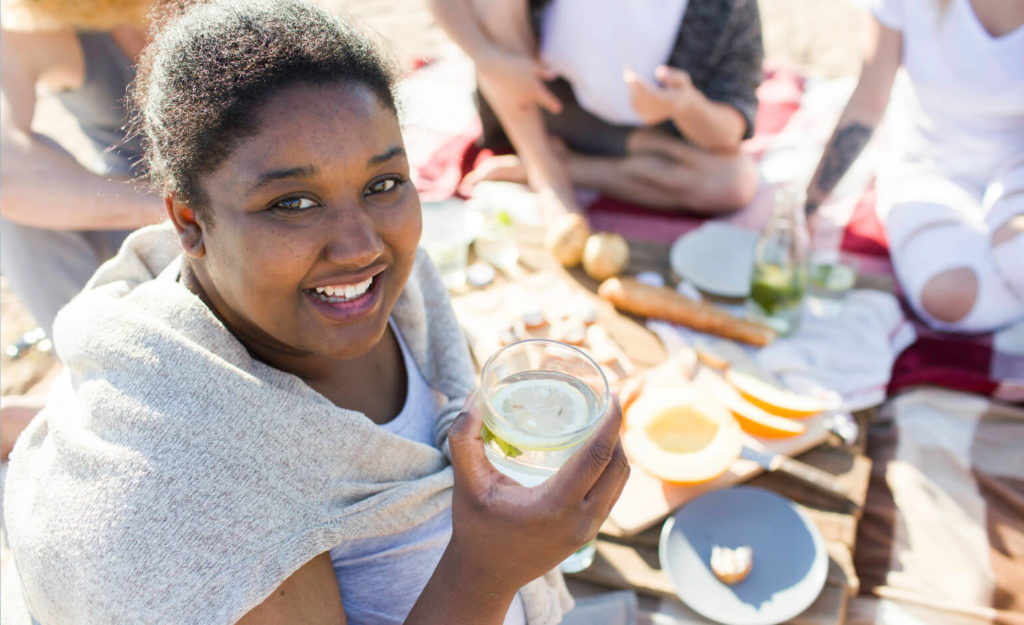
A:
(511, 78)
(504, 535)
(719, 114)
(704, 122)
(515, 75)
(883, 51)
(41, 184)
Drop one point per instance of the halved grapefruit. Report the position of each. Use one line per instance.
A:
(771, 397)
(681, 436)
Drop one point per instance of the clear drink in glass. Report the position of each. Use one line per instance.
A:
(541, 401)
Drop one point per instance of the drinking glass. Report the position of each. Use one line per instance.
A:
(448, 229)
(541, 401)
(496, 242)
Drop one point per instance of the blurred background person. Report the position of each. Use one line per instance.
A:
(638, 100)
(61, 217)
(952, 197)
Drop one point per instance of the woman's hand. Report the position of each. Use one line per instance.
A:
(513, 534)
(518, 79)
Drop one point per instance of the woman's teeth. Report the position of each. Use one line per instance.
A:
(342, 292)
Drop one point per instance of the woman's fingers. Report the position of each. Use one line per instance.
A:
(466, 443)
(672, 77)
(581, 472)
(609, 485)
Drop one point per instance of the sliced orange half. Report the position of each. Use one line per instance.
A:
(752, 419)
(771, 397)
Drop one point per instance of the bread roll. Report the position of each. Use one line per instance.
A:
(661, 303)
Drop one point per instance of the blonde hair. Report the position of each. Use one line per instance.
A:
(33, 15)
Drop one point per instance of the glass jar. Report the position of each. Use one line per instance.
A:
(779, 277)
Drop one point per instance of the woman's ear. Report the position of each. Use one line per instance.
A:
(190, 231)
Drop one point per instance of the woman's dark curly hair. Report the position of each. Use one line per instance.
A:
(202, 80)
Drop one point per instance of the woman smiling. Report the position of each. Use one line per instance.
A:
(259, 420)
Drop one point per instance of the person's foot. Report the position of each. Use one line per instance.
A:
(504, 168)
(509, 167)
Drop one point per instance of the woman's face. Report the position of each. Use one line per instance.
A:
(314, 226)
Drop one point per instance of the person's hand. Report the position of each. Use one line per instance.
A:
(514, 534)
(656, 103)
(517, 79)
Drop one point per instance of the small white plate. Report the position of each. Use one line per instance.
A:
(717, 258)
(790, 559)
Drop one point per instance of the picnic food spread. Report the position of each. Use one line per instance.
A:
(686, 420)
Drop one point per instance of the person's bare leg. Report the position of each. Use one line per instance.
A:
(507, 24)
(949, 295)
(504, 168)
(662, 171)
(1009, 230)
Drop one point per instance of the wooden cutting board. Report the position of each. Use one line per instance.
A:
(619, 344)
(646, 500)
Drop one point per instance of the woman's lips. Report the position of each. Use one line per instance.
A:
(346, 301)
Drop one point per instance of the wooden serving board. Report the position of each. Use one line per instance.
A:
(487, 316)
(646, 500)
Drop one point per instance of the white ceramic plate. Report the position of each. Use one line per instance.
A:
(717, 258)
(790, 559)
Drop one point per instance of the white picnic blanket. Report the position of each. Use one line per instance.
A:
(849, 351)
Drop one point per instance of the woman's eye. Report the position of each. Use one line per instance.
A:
(294, 204)
(383, 186)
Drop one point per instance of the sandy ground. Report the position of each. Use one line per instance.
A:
(818, 37)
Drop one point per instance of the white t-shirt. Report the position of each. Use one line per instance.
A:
(959, 103)
(381, 578)
(589, 42)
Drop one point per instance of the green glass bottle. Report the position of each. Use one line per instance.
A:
(779, 278)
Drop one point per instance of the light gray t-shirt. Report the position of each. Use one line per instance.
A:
(381, 578)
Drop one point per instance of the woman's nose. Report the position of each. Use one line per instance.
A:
(353, 239)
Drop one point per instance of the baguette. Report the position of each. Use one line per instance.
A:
(661, 303)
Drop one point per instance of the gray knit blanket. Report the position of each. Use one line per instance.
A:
(172, 478)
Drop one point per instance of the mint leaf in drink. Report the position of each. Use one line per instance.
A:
(510, 451)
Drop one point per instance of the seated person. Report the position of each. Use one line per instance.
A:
(59, 220)
(646, 101)
(260, 402)
(952, 196)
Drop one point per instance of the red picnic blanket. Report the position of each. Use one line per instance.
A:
(975, 363)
